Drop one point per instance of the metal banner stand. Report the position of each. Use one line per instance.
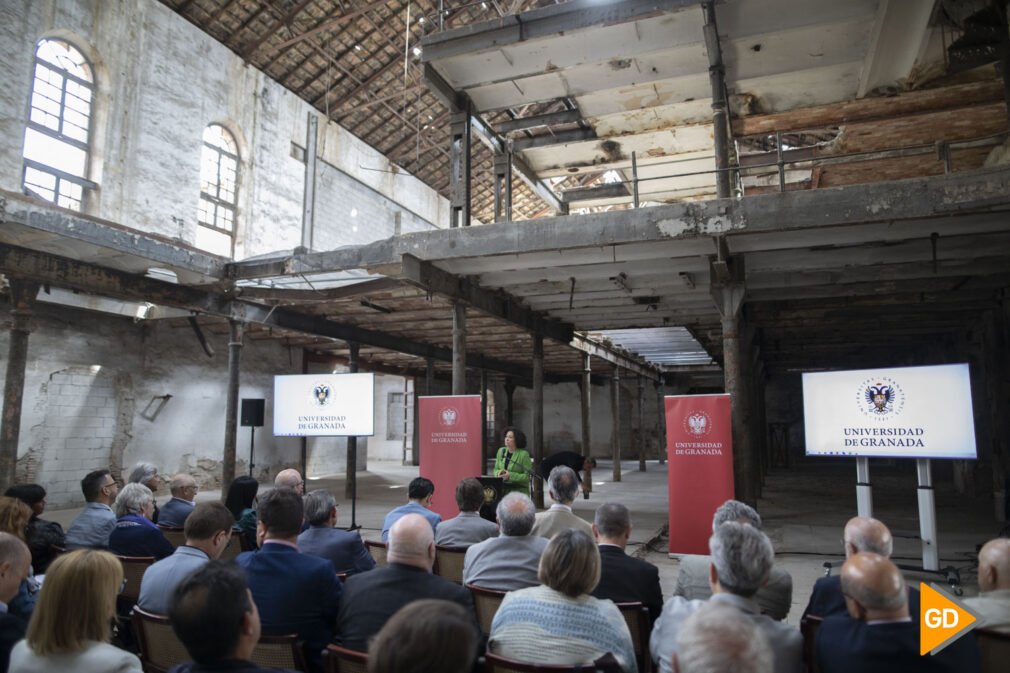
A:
(927, 515)
(864, 491)
(353, 442)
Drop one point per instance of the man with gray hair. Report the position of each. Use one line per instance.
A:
(175, 512)
(563, 486)
(290, 478)
(623, 578)
(742, 558)
(720, 639)
(344, 549)
(509, 561)
(371, 598)
(775, 597)
(15, 563)
(146, 474)
(467, 527)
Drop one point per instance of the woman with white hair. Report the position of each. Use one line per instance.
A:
(135, 534)
(147, 474)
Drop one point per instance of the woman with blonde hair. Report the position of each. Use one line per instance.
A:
(14, 518)
(70, 630)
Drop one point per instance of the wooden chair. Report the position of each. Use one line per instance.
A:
(497, 664)
(486, 603)
(280, 652)
(377, 550)
(234, 547)
(808, 629)
(174, 534)
(338, 659)
(994, 647)
(449, 562)
(133, 571)
(639, 623)
(160, 649)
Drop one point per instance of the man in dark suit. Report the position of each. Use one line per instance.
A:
(342, 548)
(877, 634)
(623, 578)
(295, 592)
(862, 534)
(175, 512)
(15, 561)
(371, 598)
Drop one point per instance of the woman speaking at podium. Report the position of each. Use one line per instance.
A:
(513, 463)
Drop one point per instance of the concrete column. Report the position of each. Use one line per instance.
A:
(458, 349)
(416, 434)
(586, 413)
(661, 419)
(483, 420)
(459, 174)
(231, 408)
(351, 464)
(641, 424)
(503, 187)
(309, 195)
(615, 414)
(538, 416)
(22, 296)
(720, 109)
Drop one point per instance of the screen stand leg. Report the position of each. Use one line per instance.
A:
(864, 492)
(252, 441)
(927, 515)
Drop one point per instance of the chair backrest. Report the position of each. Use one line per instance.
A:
(377, 550)
(994, 647)
(160, 649)
(639, 623)
(338, 659)
(279, 652)
(808, 629)
(497, 664)
(486, 602)
(174, 534)
(234, 547)
(449, 563)
(133, 572)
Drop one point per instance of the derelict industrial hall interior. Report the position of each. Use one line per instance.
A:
(572, 209)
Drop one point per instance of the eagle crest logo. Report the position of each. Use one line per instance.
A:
(698, 424)
(880, 398)
(448, 416)
(322, 394)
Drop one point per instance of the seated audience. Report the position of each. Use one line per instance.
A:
(558, 622)
(14, 566)
(135, 533)
(14, 518)
(419, 494)
(570, 459)
(371, 598)
(92, 527)
(183, 489)
(241, 502)
(719, 639)
(427, 636)
(70, 630)
(295, 592)
(742, 559)
(41, 535)
(146, 474)
(774, 598)
(878, 635)
(992, 604)
(290, 478)
(467, 527)
(207, 531)
(214, 616)
(861, 534)
(563, 487)
(342, 548)
(509, 561)
(623, 578)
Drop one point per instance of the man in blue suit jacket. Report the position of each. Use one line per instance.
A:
(342, 548)
(295, 592)
(175, 512)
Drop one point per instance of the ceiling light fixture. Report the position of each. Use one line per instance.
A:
(417, 51)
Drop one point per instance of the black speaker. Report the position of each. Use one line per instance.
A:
(252, 412)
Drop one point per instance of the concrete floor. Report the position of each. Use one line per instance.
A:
(804, 510)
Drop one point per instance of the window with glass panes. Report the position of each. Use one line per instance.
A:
(218, 191)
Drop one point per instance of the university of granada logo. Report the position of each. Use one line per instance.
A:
(698, 424)
(880, 398)
(448, 416)
(322, 394)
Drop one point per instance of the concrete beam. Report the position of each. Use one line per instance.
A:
(536, 121)
(557, 138)
(622, 360)
(611, 191)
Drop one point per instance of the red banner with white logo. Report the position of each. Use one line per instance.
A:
(699, 448)
(450, 428)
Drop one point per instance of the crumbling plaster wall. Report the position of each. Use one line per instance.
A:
(160, 81)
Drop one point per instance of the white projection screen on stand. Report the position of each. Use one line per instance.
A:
(903, 412)
(324, 405)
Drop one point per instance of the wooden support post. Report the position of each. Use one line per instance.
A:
(641, 424)
(416, 435)
(538, 416)
(615, 415)
(661, 419)
(458, 349)
(351, 463)
(586, 409)
(483, 420)
(231, 405)
(22, 297)
(510, 389)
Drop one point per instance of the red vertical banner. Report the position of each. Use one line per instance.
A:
(450, 427)
(699, 448)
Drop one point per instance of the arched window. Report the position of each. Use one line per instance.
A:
(59, 125)
(218, 191)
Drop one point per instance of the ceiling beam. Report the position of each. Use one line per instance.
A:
(536, 121)
(555, 138)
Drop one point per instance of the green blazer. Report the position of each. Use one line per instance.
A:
(520, 467)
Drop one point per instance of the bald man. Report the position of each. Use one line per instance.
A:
(993, 602)
(371, 598)
(862, 534)
(290, 478)
(878, 635)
